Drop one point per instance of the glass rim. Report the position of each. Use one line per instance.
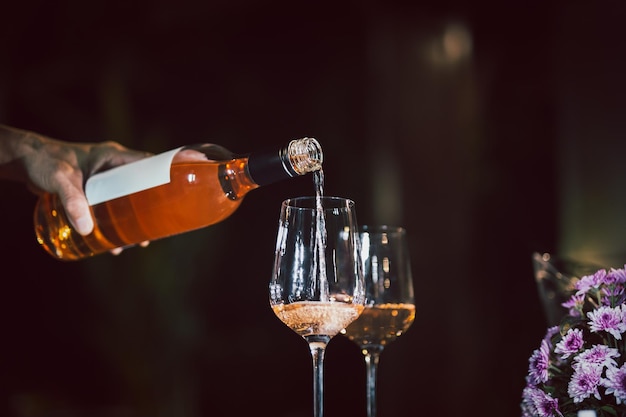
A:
(310, 203)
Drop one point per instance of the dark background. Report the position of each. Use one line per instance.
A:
(487, 129)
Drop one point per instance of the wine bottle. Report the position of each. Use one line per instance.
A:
(167, 194)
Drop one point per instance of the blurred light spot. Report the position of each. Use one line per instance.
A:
(450, 47)
(457, 42)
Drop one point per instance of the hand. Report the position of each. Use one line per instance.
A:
(50, 165)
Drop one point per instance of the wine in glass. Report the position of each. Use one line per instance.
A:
(389, 300)
(317, 286)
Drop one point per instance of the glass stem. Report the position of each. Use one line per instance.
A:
(371, 366)
(317, 353)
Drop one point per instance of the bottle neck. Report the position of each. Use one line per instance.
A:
(299, 157)
(267, 168)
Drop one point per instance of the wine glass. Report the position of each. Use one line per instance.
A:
(389, 300)
(317, 284)
(556, 278)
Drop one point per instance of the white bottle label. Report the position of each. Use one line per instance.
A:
(130, 178)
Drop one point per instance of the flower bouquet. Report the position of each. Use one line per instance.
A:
(581, 363)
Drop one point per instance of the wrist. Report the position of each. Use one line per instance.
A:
(15, 146)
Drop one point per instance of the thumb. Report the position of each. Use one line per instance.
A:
(77, 210)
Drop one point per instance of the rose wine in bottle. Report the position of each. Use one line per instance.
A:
(167, 194)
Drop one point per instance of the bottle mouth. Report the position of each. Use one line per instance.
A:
(305, 155)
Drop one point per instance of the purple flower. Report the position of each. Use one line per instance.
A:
(538, 364)
(585, 382)
(547, 406)
(535, 402)
(614, 295)
(590, 281)
(615, 276)
(615, 383)
(608, 319)
(528, 403)
(570, 343)
(549, 333)
(575, 304)
(600, 355)
(563, 375)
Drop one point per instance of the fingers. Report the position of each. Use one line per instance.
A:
(117, 251)
(61, 168)
(70, 192)
(67, 180)
(111, 154)
(79, 214)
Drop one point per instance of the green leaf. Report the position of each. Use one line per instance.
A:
(607, 409)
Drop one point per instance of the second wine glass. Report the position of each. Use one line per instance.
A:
(389, 299)
(317, 285)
